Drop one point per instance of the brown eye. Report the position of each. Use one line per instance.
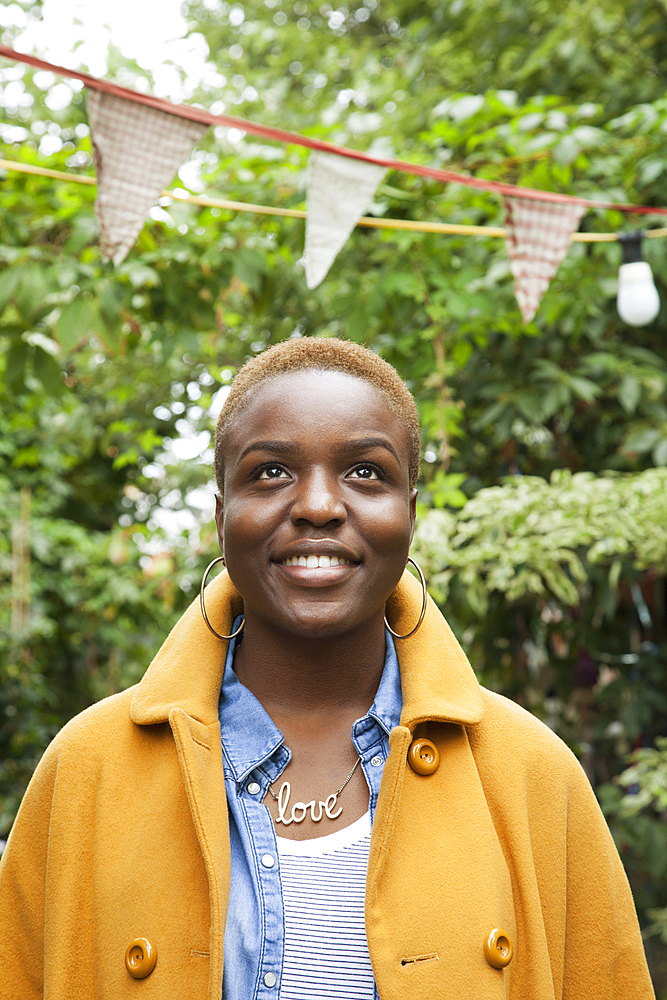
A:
(272, 472)
(365, 472)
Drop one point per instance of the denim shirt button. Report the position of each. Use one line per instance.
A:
(254, 788)
(268, 861)
(377, 760)
(270, 979)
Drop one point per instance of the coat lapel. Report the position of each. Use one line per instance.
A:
(187, 671)
(436, 677)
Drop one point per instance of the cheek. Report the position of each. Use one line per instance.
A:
(241, 543)
(248, 526)
(235, 522)
(389, 527)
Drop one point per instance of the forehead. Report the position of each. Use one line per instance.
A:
(316, 406)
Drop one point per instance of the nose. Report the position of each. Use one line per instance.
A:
(318, 501)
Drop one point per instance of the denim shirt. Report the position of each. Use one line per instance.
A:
(254, 754)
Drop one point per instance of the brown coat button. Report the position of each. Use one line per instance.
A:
(140, 958)
(423, 757)
(498, 949)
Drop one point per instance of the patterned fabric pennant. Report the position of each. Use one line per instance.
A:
(339, 191)
(137, 151)
(537, 237)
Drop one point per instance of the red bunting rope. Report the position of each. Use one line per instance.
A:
(281, 135)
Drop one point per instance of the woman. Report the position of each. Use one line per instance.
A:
(208, 833)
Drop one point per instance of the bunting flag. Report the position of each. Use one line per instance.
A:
(339, 190)
(139, 141)
(537, 237)
(192, 112)
(137, 151)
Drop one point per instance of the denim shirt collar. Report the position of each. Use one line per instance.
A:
(250, 738)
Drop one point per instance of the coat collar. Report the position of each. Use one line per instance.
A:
(437, 679)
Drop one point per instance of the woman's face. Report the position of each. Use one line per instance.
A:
(317, 516)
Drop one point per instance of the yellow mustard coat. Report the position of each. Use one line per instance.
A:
(123, 834)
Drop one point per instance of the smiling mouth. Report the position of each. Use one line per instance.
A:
(316, 562)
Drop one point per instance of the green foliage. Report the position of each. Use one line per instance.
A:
(634, 813)
(646, 780)
(529, 537)
(571, 565)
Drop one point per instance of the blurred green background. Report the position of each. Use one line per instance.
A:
(543, 500)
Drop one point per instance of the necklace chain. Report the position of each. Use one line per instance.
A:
(317, 809)
(349, 778)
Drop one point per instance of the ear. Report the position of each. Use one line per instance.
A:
(413, 512)
(219, 520)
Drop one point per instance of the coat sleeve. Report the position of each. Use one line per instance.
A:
(604, 953)
(23, 889)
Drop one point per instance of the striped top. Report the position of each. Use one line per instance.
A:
(324, 888)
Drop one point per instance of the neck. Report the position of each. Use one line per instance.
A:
(292, 676)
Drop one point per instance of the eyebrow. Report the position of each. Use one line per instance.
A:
(362, 444)
(276, 447)
(295, 449)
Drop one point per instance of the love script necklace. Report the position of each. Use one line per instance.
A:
(326, 807)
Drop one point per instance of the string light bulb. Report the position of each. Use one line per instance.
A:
(638, 302)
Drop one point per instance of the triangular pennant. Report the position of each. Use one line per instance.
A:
(339, 191)
(137, 151)
(537, 237)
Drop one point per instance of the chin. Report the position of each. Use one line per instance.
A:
(319, 626)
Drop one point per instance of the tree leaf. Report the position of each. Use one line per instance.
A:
(111, 299)
(8, 282)
(47, 371)
(642, 441)
(531, 405)
(585, 388)
(15, 364)
(629, 393)
(557, 396)
(248, 266)
(76, 323)
(32, 290)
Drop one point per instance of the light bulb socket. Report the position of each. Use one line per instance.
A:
(631, 245)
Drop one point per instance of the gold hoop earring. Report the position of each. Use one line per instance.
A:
(203, 609)
(423, 610)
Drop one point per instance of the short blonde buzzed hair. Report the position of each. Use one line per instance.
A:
(321, 354)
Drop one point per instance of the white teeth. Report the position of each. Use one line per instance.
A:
(316, 562)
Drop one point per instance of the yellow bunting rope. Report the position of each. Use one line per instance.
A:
(297, 213)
